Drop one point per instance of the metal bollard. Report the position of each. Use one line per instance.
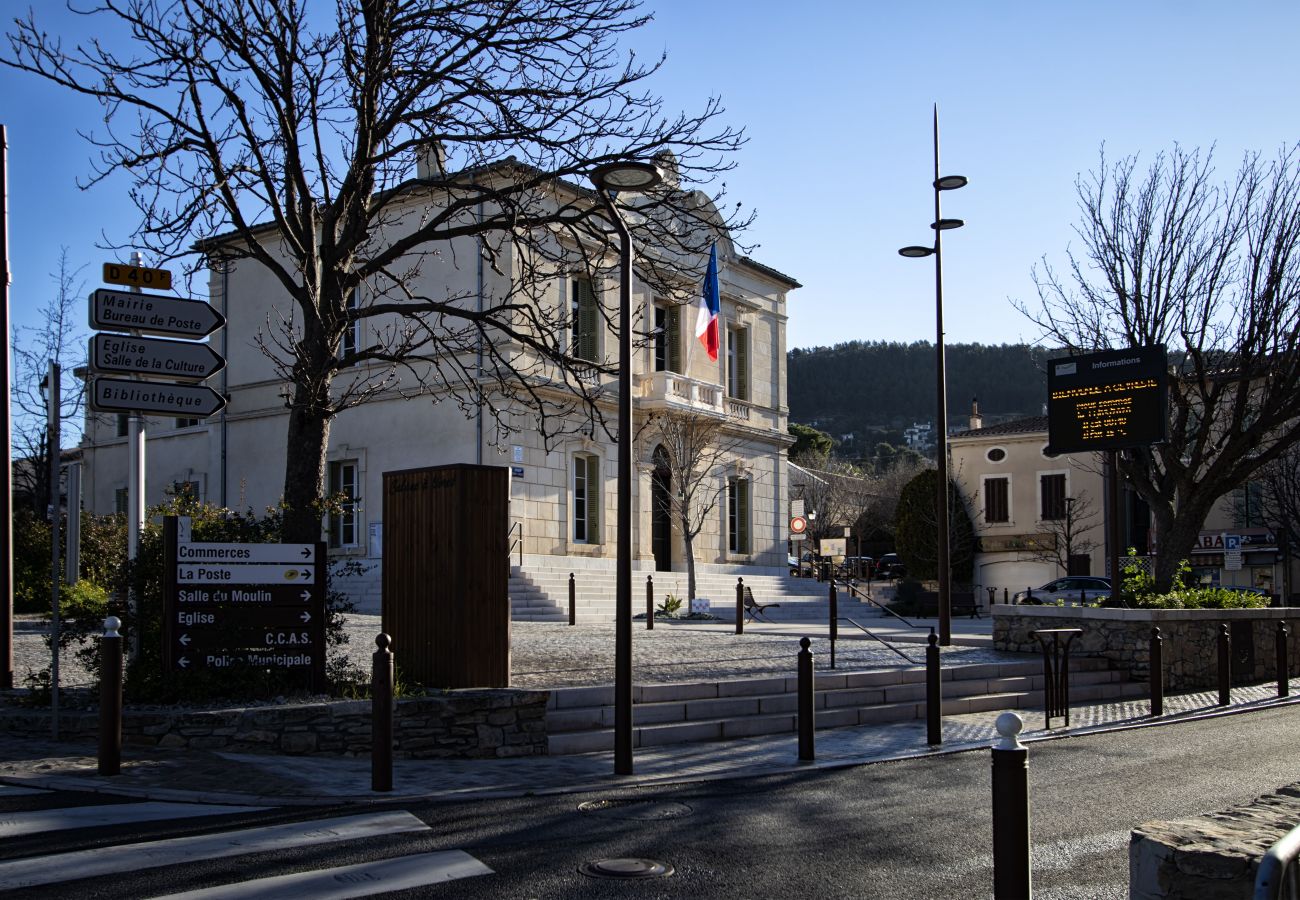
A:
(1283, 663)
(1083, 597)
(1225, 665)
(649, 603)
(835, 620)
(1006, 596)
(740, 605)
(933, 692)
(1012, 876)
(992, 595)
(573, 601)
(381, 716)
(110, 698)
(805, 688)
(1157, 673)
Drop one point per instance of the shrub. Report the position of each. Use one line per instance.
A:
(1138, 589)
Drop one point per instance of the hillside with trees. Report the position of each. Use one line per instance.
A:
(865, 393)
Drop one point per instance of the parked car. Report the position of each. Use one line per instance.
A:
(803, 568)
(1244, 589)
(1069, 588)
(854, 567)
(889, 566)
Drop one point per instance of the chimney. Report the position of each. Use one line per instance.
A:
(431, 161)
(667, 163)
(976, 421)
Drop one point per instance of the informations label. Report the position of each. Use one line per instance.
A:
(1107, 401)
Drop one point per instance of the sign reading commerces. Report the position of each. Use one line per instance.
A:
(1107, 401)
(229, 605)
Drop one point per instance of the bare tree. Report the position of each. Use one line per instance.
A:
(1068, 534)
(1278, 499)
(59, 338)
(835, 490)
(1211, 271)
(878, 516)
(696, 455)
(266, 133)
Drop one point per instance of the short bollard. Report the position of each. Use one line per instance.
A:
(110, 698)
(649, 603)
(992, 595)
(835, 620)
(933, 693)
(573, 601)
(1006, 596)
(1225, 666)
(1283, 662)
(806, 700)
(740, 605)
(1157, 673)
(1012, 877)
(381, 716)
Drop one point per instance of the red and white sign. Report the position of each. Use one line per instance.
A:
(798, 524)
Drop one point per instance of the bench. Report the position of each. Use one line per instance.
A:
(960, 603)
(754, 609)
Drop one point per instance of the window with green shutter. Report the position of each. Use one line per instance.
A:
(738, 363)
(586, 320)
(738, 507)
(668, 338)
(586, 499)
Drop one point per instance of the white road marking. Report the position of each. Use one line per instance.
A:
(15, 824)
(360, 880)
(151, 854)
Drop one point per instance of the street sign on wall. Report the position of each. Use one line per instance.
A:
(114, 310)
(153, 357)
(185, 400)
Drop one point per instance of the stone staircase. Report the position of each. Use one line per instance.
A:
(539, 592)
(581, 720)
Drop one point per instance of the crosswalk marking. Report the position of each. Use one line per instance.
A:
(13, 790)
(16, 824)
(342, 882)
(151, 854)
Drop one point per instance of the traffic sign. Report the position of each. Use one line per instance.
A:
(246, 553)
(305, 658)
(114, 310)
(262, 595)
(186, 400)
(254, 573)
(137, 276)
(798, 524)
(153, 357)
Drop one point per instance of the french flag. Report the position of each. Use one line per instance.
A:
(706, 322)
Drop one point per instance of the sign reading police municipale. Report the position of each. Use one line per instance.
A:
(1107, 401)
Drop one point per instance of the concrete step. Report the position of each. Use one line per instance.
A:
(580, 720)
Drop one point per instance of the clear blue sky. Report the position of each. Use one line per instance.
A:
(836, 99)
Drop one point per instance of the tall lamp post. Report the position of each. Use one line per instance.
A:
(940, 225)
(609, 179)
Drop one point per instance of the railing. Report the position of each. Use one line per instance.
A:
(869, 633)
(853, 589)
(1279, 876)
(517, 542)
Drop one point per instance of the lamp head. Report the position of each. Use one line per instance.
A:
(947, 224)
(916, 252)
(626, 175)
(950, 183)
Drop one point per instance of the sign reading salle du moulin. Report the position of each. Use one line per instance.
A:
(1107, 401)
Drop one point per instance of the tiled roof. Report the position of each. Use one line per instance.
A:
(1027, 425)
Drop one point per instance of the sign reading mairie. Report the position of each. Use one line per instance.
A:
(114, 310)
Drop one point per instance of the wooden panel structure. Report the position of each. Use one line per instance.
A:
(446, 600)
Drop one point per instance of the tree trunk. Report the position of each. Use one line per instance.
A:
(304, 472)
(1175, 539)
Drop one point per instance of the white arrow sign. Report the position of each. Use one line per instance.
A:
(114, 310)
(184, 662)
(306, 617)
(153, 357)
(185, 640)
(196, 401)
(246, 553)
(267, 574)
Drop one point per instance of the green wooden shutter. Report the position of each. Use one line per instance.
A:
(742, 364)
(594, 491)
(742, 515)
(588, 321)
(674, 338)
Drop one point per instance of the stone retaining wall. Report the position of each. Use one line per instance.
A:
(455, 724)
(1189, 648)
(1212, 857)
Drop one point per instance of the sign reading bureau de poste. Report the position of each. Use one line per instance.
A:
(1107, 401)
(114, 310)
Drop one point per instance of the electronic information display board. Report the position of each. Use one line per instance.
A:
(1107, 401)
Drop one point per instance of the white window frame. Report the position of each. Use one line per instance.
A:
(343, 528)
(740, 515)
(586, 493)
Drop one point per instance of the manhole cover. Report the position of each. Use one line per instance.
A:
(626, 867)
(644, 810)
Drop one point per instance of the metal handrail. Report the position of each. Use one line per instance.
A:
(1279, 876)
(872, 600)
(519, 541)
(869, 633)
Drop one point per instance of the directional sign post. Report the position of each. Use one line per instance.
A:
(113, 310)
(244, 605)
(153, 357)
(121, 395)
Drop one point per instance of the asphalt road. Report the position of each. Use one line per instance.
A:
(912, 829)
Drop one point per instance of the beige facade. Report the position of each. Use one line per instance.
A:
(564, 496)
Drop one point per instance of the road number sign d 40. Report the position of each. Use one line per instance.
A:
(137, 276)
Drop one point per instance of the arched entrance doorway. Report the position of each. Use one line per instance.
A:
(661, 524)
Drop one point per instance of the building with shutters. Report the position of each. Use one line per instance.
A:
(563, 496)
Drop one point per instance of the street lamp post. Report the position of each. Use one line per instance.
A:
(609, 179)
(940, 225)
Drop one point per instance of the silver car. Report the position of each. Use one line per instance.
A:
(1070, 589)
